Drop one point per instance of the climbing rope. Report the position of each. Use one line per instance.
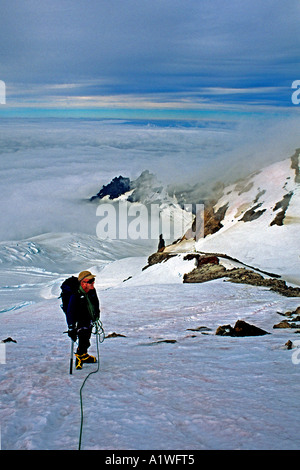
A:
(99, 332)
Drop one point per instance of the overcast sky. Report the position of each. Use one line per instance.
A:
(180, 53)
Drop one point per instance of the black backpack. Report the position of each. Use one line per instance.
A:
(68, 287)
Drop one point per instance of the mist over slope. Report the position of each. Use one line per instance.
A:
(256, 220)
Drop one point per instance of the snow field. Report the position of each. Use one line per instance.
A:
(200, 392)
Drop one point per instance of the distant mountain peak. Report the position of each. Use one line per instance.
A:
(118, 186)
(144, 189)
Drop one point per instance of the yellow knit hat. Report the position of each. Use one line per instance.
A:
(85, 275)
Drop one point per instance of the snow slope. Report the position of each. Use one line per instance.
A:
(162, 385)
(258, 242)
(200, 391)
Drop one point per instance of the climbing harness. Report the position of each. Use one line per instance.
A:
(100, 335)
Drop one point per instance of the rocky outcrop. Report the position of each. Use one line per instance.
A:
(118, 186)
(144, 189)
(283, 205)
(158, 257)
(292, 319)
(252, 214)
(286, 324)
(209, 268)
(8, 340)
(241, 328)
(115, 335)
(213, 219)
(205, 272)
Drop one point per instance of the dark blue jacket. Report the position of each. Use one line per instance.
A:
(78, 313)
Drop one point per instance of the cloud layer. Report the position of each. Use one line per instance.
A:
(50, 169)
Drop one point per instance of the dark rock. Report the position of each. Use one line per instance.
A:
(285, 324)
(144, 189)
(200, 328)
(285, 290)
(9, 340)
(207, 272)
(118, 186)
(208, 260)
(289, 344)
(208, 268)
(291, 314)
(171, 341)
(191, 256)
(212, 219)
(241, 328)
(252, 214)
(158, 257)
(283, 205)
(204, 273)
(115, 335)
(225, 330)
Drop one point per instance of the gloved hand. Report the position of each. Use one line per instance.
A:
(72, 333)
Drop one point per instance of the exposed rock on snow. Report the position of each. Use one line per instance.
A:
(118, 186)
(170, 341)
(241, 328)
(143, 189)
(209, 271)
(8, 340)
(158, 257)
(213, 220)
(115, 335)
(293, 314)
(289, 344)
(283, 205)
(200, 328)
(286, 324)
(291, 318)
(210, 266)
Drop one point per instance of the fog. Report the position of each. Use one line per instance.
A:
(50, 168)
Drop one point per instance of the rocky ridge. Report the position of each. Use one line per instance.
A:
(211, 266)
